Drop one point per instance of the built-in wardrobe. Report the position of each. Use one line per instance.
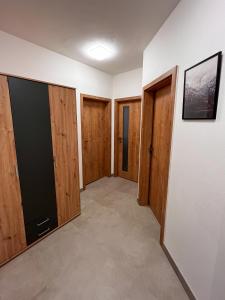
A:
(39, 181)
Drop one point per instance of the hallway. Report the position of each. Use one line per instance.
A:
(110, 252)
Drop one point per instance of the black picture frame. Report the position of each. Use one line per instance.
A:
(200, 103)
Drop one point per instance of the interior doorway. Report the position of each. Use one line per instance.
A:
(96, 137)
(156, 135)
(127, 137)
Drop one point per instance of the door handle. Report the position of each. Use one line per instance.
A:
(43, 222)
(43, 232)
(16, 171)
(120, 139)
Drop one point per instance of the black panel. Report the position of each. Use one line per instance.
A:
(125, 137)
(32, 130)
(40, 227)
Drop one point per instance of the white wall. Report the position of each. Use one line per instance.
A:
(195, 220)
(21, 58)
(127, 84)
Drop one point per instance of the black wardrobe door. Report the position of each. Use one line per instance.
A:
(32, 130)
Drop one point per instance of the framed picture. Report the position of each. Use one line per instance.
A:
(201, 89)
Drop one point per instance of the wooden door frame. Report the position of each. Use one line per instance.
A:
(108, 103)
(149, 90)
(116, 126)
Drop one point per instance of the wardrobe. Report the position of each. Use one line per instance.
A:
(39, 176)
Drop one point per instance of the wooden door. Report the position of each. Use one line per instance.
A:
(12, 232)
(64, 138)
(128, 139)
(96, 139)
(160, 149)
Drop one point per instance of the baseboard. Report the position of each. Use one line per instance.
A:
(179, 275)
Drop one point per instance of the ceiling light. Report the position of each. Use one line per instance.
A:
(100, 52)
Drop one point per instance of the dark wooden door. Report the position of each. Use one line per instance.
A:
(96, 134)
(160, 150)
(128, 139)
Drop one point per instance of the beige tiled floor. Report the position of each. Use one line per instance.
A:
(110, 252)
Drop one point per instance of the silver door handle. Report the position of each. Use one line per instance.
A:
(43, 232)
(46, 220)
(16, 171)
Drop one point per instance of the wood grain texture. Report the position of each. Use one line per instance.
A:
(97, 98)
(152, 141)
(64, 139)
(93, 131)
(107, 140)
(12, 232)
(36, 80)
(146, 137)
(37, 241)
(116, 134)
(96, 137)
(128, 99)
(161, 81)
(134, 105)
(116, 126)
(173, 96)
(160, 156)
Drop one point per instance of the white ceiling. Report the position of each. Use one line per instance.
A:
(65, 26)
